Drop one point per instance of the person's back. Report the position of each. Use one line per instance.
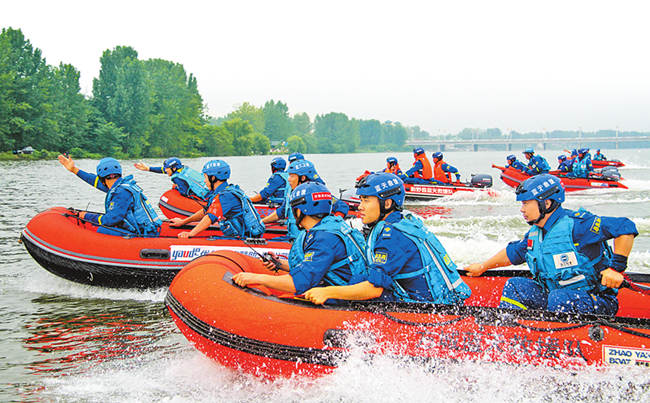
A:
(582, 165)
(441, 170)
(277, 187)
(515, 163)
(564, 164)
(421, 171)
(189, 182)
(599, 156)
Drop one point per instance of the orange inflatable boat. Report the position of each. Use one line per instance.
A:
(263, 332)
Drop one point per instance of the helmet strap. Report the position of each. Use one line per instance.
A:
(299, 216)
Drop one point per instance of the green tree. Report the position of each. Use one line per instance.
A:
(251, 114)
(296, 144)
(336, 133)
(370, 132)
(122, 95)
(261, 144)
(301, 124)
(242, 132)
(277, 124)
(216, 141)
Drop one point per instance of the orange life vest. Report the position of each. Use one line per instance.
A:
(395, 169)
(439, 174)
(427, 173)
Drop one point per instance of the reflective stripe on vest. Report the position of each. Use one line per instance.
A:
(555, 261)
(354, 247)
(141, 218)
(194, 180)
(439, 271)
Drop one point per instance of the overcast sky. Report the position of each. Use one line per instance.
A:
(517, 65)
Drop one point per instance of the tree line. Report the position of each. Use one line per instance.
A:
(153, 108)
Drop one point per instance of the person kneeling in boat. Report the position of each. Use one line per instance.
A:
(187, 181)
(278, 184)
(564, 164)
(442, 171)
(515, 163)
(408, 263)
(392, 166)
(573, 269)
(536, 163)
(127, 210)
(301, 171)
(421, 171)
(582, 166)
(237, 216)
(599, 156)
(327, 250)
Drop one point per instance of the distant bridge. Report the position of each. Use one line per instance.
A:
(543, 142)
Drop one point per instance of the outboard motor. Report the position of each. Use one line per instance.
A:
(481, 181)
(610, 173)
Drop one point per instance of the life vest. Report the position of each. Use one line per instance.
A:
(355, 247)
(439, 174)
(580, 167)
(246, 224)
(395, 169)
(280, 194)
(194, 180)
(140, 219)
(599, 157)
(555, 261)
(427, 173)
(438, 269)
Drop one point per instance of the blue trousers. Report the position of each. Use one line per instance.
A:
(525, 293)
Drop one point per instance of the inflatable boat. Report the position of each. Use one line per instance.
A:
(173, 205)
(271, 334)
(73, 249)
(607, 163)
(608, 180)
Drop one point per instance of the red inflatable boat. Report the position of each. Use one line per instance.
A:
(173, 204)
(264, 332)
(513, 177)
(71, 248)
(607, 163)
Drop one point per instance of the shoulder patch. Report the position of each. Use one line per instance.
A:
(380, 258)
(595, 227)
(308, 256)
(386, 233)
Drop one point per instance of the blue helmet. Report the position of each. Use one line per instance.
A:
(278, 164)
(529, 150)
(108, 166)
(540, 188)
(598, 150)
(437, 154)
(561, 157)
(574, 152)
(217, 168)
(383, 185)
(391, 160)
(311, 198)
(295, 156)
(511, 157)
(173, 163)
(303, 168)
(583, 150)
(418, 150)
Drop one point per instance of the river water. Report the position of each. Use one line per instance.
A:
(62, 341)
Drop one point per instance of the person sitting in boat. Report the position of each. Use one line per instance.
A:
(573, 269)
(301, 171)
(599, 156)
(327, 250)
(227, 204)
(187, 181)
(536, 163)
(441, 170)
(564, 164)
(127, 210)
(515, 163)
(421, 171)
(392, 166)
(295, 156)
(582, 166)
(407, 262)
(278, 184)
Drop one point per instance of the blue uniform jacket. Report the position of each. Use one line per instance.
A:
(122, 201)
(589, 234)
(518, 165)
(565, 166)
(274, 187)
(536, 166)
(225, 205)
(322, 250)
(417, 166)
(181, 185)
(396, 254)
(339, 207)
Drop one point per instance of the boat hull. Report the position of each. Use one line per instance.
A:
(513, 177)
